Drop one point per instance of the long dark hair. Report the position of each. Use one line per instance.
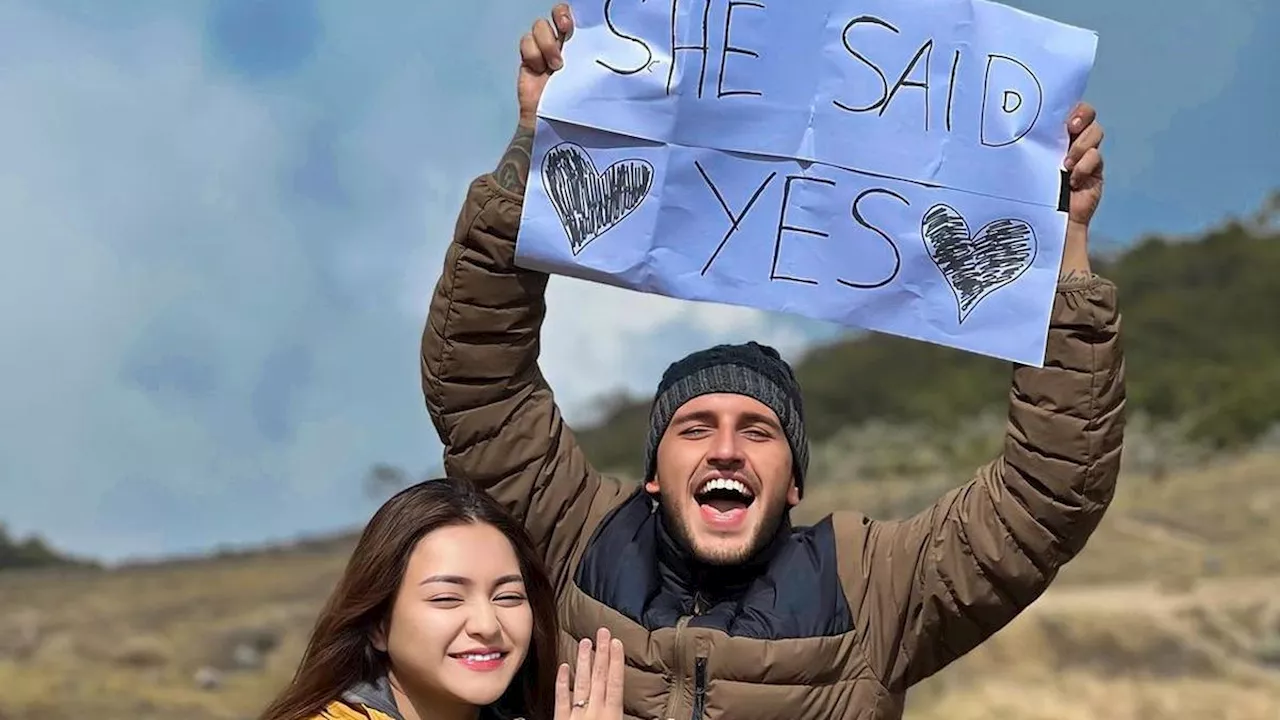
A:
(341, 652)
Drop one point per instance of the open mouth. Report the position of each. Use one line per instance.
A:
(724, 495)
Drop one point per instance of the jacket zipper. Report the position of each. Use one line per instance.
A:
(699, 668)
(674, 696)
(699, 688)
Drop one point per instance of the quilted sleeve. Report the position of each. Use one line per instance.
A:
(487, 398)
(931, 588)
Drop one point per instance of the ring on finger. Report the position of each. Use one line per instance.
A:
(580, 703)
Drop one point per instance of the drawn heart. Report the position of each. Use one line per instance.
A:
(590, 202)
(976, 265)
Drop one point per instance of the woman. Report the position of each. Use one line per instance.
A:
(445, 613)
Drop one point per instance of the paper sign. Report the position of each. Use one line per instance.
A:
(887, 164)
(935, 264)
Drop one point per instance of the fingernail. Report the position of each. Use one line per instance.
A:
(556, 63)
(1075, 122)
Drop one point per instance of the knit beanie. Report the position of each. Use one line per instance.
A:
(750, 369)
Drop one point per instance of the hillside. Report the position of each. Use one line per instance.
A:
(1173, 610)
(1202, 346)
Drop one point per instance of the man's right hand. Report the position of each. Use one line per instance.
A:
(539, 57)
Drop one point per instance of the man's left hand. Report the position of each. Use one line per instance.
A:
(1084, 162)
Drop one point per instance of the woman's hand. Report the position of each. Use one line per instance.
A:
(597, 689)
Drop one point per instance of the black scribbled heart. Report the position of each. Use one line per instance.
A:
(590, 202)
(976, 265)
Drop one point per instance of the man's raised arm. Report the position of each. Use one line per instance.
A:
(487, 398)
(931, 588)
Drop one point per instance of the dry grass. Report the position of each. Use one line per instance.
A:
(1220, 518)
(1173, 610)
(131, 643)
(1132, 652)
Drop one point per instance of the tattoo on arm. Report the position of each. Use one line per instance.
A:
(1071, 275)
(513, 170)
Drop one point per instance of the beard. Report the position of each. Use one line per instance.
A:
(761, 536)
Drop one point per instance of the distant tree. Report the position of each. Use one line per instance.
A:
(384, 480)
(32, 552)
(1267, 219)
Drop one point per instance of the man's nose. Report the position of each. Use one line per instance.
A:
(726, 448)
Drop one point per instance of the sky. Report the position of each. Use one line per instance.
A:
(221, 222)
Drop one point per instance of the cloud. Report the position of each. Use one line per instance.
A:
(262, 40)
(164, 295)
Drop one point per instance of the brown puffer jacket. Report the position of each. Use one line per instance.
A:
(843, 617)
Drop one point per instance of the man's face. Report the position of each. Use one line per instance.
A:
(724, 476)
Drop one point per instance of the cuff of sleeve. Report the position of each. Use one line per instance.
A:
(1084, 311)
(1084, 283)
(497, 210)
(492, 184)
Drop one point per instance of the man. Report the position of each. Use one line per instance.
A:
(724, 608)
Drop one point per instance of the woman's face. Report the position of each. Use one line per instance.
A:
(461, 622)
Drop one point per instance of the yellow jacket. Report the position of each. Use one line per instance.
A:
(346, 710)
(339, 710)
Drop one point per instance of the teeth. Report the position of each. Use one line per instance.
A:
(726, 484)
(482, 658)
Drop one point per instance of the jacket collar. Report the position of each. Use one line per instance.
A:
(377, 695)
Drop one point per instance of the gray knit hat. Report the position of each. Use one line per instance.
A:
(750, 369)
